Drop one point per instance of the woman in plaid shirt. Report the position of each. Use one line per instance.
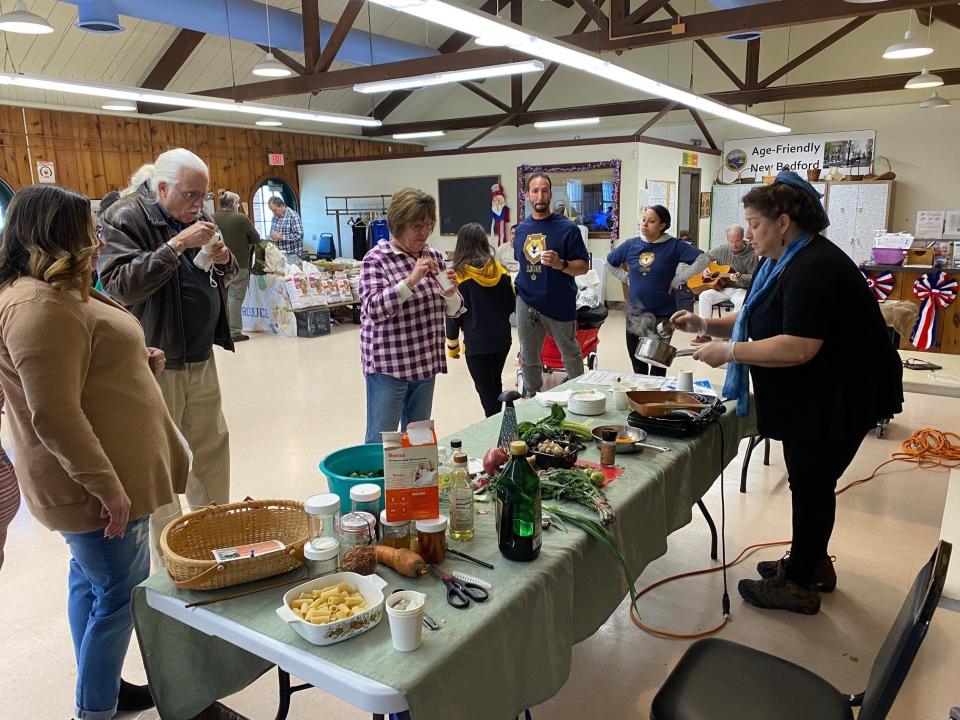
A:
(403, 310)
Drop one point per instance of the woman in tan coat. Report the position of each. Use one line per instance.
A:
(94, 448)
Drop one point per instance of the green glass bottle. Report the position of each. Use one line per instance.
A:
(518, 507)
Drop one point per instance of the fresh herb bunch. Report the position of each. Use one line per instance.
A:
(576, 486)
(553, 427)
(597, 531)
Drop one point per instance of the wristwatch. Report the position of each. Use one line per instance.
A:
(565, 263)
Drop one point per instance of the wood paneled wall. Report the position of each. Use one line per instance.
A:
(94, 154)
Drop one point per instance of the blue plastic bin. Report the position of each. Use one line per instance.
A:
(358, 458)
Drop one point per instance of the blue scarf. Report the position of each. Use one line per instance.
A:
(737, 384)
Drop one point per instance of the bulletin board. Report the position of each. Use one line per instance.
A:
(663, 192)
(465, 200)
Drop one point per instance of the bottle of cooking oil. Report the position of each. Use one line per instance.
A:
(460, 493)
(445, 474)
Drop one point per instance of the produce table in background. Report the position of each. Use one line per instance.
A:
(489, 661)
(267, 308)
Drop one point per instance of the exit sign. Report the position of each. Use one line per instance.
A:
(275, 159)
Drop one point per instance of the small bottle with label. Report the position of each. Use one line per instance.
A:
(461, 500)
(445, 473)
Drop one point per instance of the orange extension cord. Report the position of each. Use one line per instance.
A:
(927, 449)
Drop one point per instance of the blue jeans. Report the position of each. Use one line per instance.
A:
(392, 402)
(103, 574)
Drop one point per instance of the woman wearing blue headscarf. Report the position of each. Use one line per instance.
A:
(824, 371)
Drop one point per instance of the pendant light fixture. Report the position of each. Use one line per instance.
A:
(934, 102)
(23, 21)
(908, 47)
(925, 79)
(270, 66)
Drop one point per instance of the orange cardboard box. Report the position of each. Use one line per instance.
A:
(410, 477)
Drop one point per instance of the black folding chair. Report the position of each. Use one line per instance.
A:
(722, 680)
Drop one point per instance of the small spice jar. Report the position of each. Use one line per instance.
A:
(365, 497)
(395, 533)
(358, 534)
(608, 448)
(431, 535)
(323, 515)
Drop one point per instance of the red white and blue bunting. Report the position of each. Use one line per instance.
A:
(936, 290)
(881, 286)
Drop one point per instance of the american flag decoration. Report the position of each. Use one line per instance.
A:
(881, 286)
(935, 290)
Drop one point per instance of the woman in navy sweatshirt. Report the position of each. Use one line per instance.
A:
(488, 295)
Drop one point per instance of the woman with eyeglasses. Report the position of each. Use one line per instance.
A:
(406, 294)
(95, 449)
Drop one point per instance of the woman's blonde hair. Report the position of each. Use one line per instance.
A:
(229, 200)
(407, 206)
(49, 234)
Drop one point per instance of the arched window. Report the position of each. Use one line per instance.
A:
(6, 195)
(271, 187)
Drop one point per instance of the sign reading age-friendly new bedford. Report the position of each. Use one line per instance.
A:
(850, 152)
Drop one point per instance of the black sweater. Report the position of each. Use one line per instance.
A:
(489, 302)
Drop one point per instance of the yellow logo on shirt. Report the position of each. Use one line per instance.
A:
(533, 247)
(646, 261)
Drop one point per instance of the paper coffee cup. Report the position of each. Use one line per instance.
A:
(685, 381)
(620, 399)
(406, 625)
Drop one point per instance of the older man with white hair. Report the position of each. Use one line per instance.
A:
(153, 238)
(743, 263)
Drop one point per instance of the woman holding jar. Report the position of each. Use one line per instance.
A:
(807, 317)
(95, 449)
(406, 295)
(654, 260)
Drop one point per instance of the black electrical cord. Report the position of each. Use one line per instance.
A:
(725, 600)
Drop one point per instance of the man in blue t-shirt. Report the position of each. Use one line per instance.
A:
(551, 253)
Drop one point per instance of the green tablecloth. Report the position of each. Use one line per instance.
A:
(491, 660)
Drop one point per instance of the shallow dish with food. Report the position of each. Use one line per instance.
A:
(567, 458)
(369, 586)
(629, 439)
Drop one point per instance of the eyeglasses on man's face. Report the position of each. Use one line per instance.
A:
(195, 196)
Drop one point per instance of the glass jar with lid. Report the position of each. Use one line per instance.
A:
(431, 536)
(394, 533)
(358, 538)
(323, 515)
(365, 497)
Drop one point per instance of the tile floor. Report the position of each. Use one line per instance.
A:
(290, 401)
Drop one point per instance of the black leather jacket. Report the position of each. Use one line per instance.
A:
(139, 270)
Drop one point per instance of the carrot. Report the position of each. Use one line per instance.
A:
(405, 562)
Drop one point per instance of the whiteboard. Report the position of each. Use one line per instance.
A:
(727, 209)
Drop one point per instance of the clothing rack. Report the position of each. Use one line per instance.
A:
(368, 207)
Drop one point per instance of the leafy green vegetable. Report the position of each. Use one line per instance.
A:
(576, 486)
(552, 427)
(597, 531)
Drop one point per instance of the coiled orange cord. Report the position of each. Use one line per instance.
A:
(927, 449)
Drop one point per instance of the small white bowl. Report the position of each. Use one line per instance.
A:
(370, 586)
(588, 402)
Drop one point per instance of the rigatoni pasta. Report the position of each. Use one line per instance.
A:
(337, 602)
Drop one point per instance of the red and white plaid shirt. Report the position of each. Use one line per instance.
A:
(402, 339)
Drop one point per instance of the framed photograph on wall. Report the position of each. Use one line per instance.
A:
(705, 199)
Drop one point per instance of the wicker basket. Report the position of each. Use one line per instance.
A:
(187, 542)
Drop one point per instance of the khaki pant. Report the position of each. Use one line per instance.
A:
(192, 396)
(236, 291)
(532, 329)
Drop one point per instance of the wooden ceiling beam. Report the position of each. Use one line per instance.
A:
(949, 14)
(173, 58)
(310, 11)
(594, 12)
(751, 76)
(650, 7)
(828, 88)
(814, 50)
(480, 92)
(493, 128)
(724, 68)
(698, 119)
(339, 34)
(754, 17)
(656, 118)
(516, 81)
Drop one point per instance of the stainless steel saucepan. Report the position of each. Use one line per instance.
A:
(638, 436)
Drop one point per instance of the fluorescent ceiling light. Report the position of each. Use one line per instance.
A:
(934, 102)
(909, 48)
(488, 28)
(269, 122)
(567, 123)
(925, 79)
(271, 67)
(23, 21)
(418, 81)
(118, 106)
(425, 133)
(181, 100)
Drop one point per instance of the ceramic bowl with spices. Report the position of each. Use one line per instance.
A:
(369, 586)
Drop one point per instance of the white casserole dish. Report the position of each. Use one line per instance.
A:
(370, 586)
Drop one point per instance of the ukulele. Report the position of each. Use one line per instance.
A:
(718, 276)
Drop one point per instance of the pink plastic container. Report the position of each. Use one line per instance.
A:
(889, 256)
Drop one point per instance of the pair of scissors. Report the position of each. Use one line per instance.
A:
(460, 593)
